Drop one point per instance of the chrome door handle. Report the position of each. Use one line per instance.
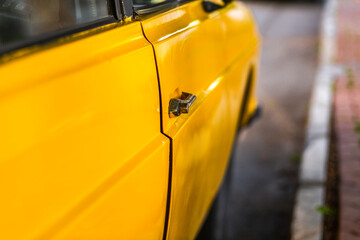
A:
(177, 106)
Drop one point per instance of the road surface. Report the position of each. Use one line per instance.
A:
(266, 162)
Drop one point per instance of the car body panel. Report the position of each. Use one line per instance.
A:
(85, 138)
(209, 55)
(82, 155)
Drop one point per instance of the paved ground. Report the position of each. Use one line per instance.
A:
(347, 129)
(347, 118)
(267, 156)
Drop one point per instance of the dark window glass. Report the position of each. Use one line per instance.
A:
(24, 19)
(144, 6)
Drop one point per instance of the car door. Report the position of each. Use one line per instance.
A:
(208, 53)
(82, 154)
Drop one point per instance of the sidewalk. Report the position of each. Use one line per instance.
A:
(346, 110)
(336, 91)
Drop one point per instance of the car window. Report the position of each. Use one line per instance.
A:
(145, 6)
(25, 19)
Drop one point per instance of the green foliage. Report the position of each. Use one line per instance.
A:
(333, 87)
(357, 130)
(326, 210)
(350, 76)
(357, 127)
(295, 158)
(349, 73)
(350, 83)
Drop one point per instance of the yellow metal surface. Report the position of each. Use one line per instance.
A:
(82, 156)
(209, 55)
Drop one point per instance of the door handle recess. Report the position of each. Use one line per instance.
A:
(177, 106)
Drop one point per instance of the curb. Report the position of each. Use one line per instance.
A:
(307, 222)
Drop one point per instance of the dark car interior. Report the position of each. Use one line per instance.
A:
(24, 19)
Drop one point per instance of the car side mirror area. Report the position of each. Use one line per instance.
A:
(210, 6)
(227, 1)
(213, 5)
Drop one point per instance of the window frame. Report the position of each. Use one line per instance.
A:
(161, 7)
(115, 9)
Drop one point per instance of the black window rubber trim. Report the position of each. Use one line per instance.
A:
(159, 8)
(144, 10)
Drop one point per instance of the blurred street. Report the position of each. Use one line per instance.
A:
(267, 156)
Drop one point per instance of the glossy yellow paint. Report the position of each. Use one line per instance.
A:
(82, 155)
(209, 55)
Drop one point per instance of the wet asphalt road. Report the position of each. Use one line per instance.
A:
(267, 155)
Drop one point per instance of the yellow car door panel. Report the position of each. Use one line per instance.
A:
(242, 55)
(82, 155)
(89, 149)
(194, 55)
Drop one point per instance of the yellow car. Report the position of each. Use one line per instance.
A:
(117, 118)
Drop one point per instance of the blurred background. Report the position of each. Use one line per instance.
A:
(267, 155)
